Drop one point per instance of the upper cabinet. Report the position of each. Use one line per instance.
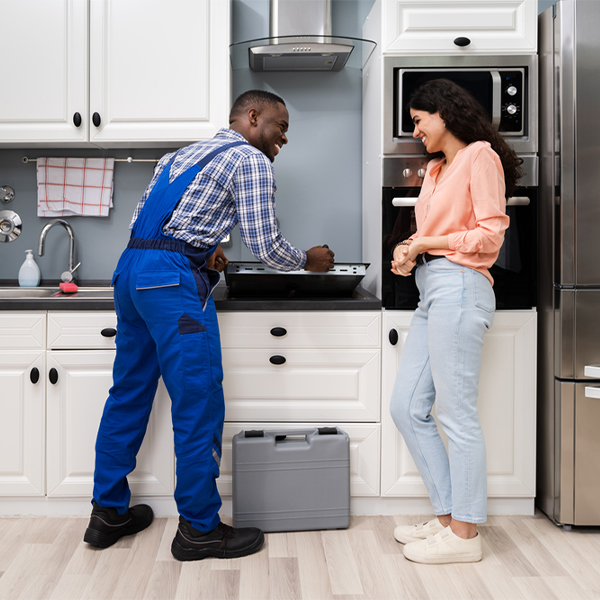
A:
(459, 27)
(114, 72)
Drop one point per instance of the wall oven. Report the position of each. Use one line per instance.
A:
(514, 273)
(506, 86)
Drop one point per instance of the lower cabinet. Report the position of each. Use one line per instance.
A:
(507, 407)
(55, 373)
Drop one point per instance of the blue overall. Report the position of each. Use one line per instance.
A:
(167, 325)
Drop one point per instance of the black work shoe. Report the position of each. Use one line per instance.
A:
(222, 542)
(107, 526)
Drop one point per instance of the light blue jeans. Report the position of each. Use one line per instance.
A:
(441, 362)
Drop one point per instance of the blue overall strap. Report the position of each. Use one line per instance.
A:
(164, 196)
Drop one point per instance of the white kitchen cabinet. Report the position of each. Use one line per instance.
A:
(81, 378)
(432, 26)
(301, 366)
(22, 403)
(364, 453)
(114, 72)
(507, 408)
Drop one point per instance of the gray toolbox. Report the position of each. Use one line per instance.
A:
(292, 480)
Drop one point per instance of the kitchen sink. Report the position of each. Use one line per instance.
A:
(26, 293)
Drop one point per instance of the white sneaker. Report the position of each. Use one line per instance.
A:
(405, 534)
(444, 547)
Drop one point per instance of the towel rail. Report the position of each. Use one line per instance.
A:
(129, 159)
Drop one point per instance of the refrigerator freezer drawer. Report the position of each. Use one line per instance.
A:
(577, 340)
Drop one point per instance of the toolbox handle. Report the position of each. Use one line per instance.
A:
(290, 437)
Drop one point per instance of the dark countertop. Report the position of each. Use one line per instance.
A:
(102, 300)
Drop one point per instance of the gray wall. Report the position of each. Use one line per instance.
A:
(318, 173)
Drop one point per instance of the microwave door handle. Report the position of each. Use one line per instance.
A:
(404, 201)
(496, 98)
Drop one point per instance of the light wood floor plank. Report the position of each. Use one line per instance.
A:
(192, 579)
(144, 549)
(467, 581)
(111, 566)
(312, 566)
(499, 580)
(508, 552)
(371, 571)
(558, 543)
(281, 545)
(164, 550)
(403, 578)
(284, 579)
(535, 588)
(531, 547)
(163, 580)
(343, 571)
(254, 576)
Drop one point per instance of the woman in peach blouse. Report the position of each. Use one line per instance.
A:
(461, 219)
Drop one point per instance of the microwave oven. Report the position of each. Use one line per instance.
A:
(506, 86)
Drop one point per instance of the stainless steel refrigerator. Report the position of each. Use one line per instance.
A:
(568, 449)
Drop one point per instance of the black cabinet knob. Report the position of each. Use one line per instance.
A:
(393, 335)
(108, 332)
(96, 120)
(277, 360)
(77, 119)
(34, 375)
(462, 41)
(53, 376)
(278, 331)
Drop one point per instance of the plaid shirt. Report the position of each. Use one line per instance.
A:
(237, 186)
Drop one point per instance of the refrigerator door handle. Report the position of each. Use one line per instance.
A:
(592, 391)
(592, 371)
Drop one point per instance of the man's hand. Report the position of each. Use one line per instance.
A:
(319, 259)
(217, 260)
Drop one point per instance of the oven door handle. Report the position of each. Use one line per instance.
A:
(518, 201)
(404, 201)
(496, 98)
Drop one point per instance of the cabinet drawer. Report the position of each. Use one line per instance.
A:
(311, 385)
(70, 331)
(325, 329)
(23, 331)
(364, 453)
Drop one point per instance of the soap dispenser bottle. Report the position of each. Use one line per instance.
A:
(29, 273)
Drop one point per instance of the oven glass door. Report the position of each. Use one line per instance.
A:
(499, 92)
(514, 273)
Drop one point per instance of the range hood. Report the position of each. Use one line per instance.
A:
(301, 40)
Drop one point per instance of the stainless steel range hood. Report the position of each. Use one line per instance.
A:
(301, 40)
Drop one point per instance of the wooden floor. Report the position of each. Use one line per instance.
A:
(524, 557)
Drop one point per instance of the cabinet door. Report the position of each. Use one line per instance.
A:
(44, 66)
(75, 405)
(301, 385)
(507, 402)
(22, 423)
(432, 26)
(159, 71)
(364, 453)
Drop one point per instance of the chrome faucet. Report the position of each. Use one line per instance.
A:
(67, 275)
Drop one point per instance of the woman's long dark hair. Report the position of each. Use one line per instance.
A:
(467, 120)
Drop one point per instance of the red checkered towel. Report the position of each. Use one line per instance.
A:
(75, 186)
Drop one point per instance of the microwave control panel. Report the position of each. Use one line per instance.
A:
(511, 104)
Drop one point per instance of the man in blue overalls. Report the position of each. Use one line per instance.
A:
(167, 324)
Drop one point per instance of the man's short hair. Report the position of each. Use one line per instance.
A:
(253, 98)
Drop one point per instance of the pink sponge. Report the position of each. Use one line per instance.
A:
(68, 287)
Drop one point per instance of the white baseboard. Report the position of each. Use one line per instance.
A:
(165, 506)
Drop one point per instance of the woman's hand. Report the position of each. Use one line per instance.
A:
(405, 256)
